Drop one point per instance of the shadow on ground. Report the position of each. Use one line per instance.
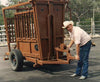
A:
(28, 66)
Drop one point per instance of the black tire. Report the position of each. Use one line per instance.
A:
(16, 60)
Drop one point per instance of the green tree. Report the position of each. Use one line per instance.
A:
(81, 8)
(1, 16)
(96, 4)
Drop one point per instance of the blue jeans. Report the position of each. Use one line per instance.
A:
(82, 65)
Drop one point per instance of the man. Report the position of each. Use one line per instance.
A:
(83, 44)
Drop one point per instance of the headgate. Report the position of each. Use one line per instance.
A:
(38, 31)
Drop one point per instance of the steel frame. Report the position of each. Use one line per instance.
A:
(48, 37)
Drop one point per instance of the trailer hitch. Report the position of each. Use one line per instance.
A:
(63, 48)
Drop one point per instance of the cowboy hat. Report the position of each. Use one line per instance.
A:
(66, 23)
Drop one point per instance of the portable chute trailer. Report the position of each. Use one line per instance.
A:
(36, 28)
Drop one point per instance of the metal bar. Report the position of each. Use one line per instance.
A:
(49, 37)
(34, 22)
(15, 23)
(22, 25)
(53, 29)
(25, 24)
(20, 30)
(38, 33)
(17, 26)
(42, 2)
(59, 61)
(29, 25)
(63, 20)
(17, 5)
(5, 22)
(9, 31)
(32, 25)
(17, 8)
(51, 32)
(58, 49)
(57, 56)
(24, 12)
(12, 30)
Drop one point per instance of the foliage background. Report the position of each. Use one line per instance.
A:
(82, 10)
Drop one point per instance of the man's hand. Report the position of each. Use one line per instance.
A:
(77, 57)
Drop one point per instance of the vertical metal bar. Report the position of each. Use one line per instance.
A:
(38, 31)
(54, 30)
(5, 22)
(29, 25)
(63, 18)
(9, 30)
(18, 27)
(34, 22)
(12, 29)
(30, 48)
(50, 18)
(15, 23)
(22, 25)
(25, 25)
(32, 25)
(57, 55)
(49, 37)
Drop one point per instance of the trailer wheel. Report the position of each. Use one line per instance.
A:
(16, 60)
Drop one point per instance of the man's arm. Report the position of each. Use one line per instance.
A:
(77, 51)
(70, 44)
